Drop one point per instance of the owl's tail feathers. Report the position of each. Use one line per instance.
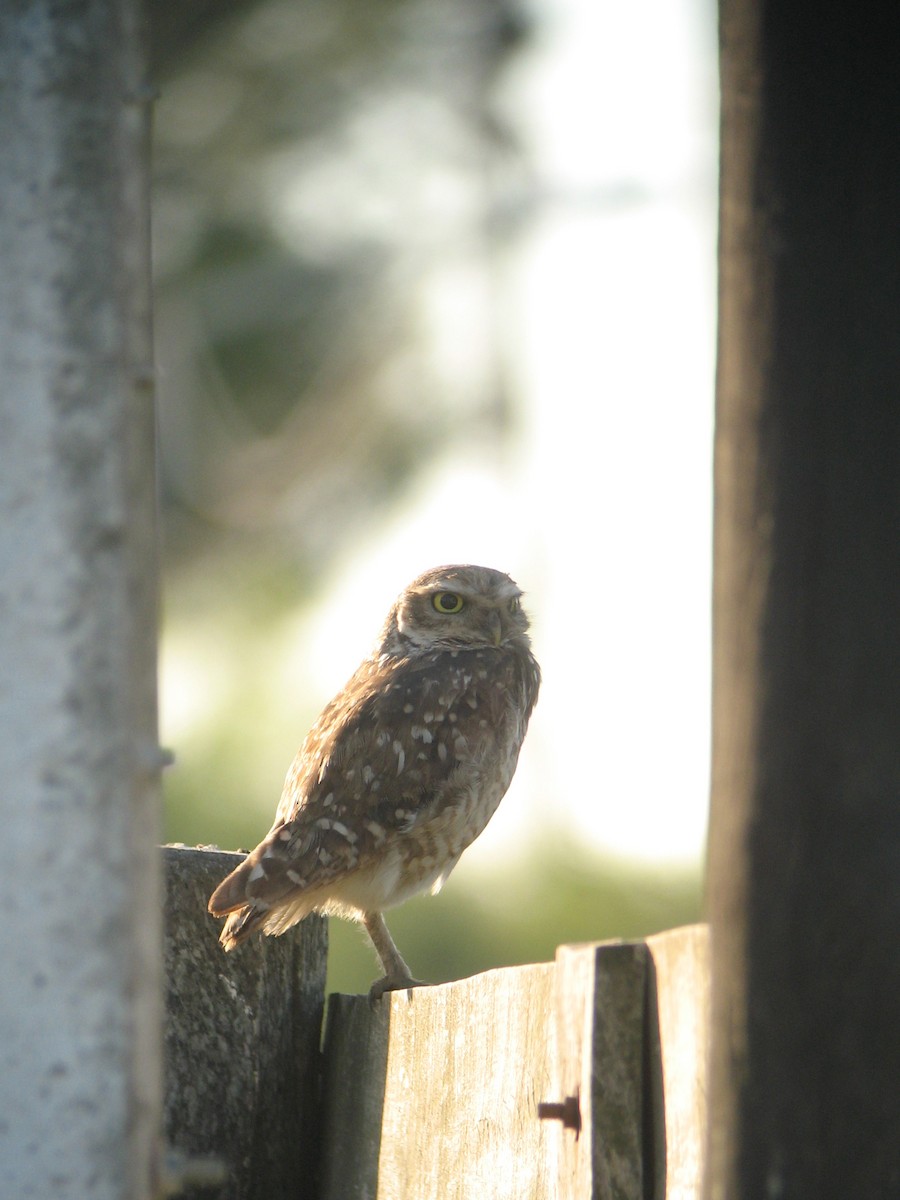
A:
(231, 894)
(241, 925)
(263, 894)
(230, 899)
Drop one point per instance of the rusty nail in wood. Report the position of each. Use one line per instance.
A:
(569, 1112)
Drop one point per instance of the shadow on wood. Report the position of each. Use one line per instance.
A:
(241, 1039)
(356, 1053)
(599, 1000)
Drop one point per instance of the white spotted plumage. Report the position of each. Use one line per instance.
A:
(402, 770)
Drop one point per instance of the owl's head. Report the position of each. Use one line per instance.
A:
(454, 608)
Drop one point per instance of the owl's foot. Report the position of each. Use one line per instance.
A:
(396, 973)
(394, 983)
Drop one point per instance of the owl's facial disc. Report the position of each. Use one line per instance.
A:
(460, 607)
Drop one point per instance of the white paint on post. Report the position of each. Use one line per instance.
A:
(80, 1091)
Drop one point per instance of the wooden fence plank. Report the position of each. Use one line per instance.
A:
(437, 1094)
(582, 1079)
(679, 1005)
(600, 1060)
(241, 1039)
(354, 1069)
(449, 1111)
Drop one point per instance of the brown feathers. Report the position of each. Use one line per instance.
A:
(404, 768)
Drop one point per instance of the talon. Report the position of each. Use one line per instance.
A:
(393, 984)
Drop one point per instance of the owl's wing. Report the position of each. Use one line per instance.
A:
(379, 761)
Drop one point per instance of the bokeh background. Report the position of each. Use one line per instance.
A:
(436, 283)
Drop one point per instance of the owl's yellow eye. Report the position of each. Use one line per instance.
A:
(447, 602)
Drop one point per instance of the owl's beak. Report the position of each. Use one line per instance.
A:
(495, 627)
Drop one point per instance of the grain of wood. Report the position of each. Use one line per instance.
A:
(435, 1093)
(600, 991)
(241, 1039)
(461, 1069)
(679, 998)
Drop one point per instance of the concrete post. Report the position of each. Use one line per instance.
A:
(80, 984)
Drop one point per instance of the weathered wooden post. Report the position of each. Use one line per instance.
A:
(242, 1042)
(805, 832)
(80, 981)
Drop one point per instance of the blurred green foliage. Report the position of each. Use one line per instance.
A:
(555, 893)
(324, 174)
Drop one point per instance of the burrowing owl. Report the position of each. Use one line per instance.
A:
(402, 770)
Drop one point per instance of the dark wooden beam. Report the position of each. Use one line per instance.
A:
(804, 880)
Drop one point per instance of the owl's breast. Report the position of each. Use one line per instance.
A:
(391, 788)
(467, 733)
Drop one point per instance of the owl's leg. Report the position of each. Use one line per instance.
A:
(396, 976)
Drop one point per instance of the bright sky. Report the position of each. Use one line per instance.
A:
(603, 513)
(602, 510)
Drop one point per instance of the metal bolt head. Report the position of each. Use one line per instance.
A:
(568, 1111)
